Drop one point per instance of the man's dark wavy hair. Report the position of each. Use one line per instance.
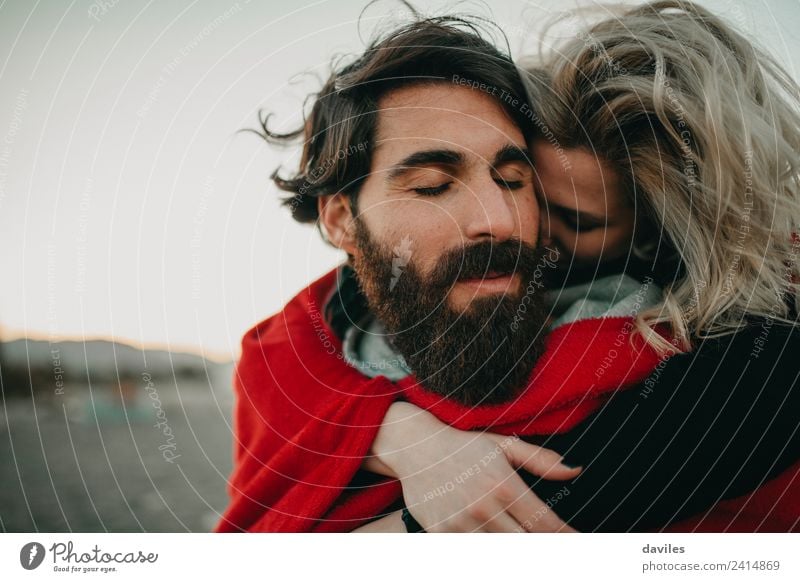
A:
(339, 132)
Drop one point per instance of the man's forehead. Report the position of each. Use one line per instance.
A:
(444, 113)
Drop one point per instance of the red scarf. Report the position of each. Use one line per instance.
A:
(305, 420)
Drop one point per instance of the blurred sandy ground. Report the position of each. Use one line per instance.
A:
(93, 459)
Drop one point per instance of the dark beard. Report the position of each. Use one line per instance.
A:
(483, 355)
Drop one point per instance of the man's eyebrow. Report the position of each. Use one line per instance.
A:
(425, 158)
(512, 153)
(583, 215)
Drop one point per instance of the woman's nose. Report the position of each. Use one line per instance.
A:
(545, 230)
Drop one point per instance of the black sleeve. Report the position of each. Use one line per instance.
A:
(705, 426)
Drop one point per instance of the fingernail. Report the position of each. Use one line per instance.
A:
(569, 464)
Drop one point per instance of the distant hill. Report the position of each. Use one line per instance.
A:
(99, 360)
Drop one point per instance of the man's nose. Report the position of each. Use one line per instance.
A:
(492, 213)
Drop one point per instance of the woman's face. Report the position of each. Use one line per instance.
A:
(585, 213)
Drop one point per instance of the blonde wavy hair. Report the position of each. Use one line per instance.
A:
(704, 128)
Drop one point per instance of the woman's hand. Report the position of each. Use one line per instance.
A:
(392, 523)
(456, 480)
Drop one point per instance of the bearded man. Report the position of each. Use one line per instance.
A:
(415, 164)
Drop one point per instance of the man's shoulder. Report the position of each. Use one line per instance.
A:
(307, 305)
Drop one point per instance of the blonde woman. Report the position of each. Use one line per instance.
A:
(669, 151)
(692, 137)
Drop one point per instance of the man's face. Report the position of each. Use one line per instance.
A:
(446, 241)
(449, 169)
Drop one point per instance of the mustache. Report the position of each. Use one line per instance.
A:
(483, 259)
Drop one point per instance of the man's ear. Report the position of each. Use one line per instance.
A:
(336, 217)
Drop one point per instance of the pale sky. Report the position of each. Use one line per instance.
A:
(129, 207)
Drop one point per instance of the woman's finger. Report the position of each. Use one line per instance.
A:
(538, 460)
(532, 514)
(501, 522)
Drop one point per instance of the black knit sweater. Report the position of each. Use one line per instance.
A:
(705, 426)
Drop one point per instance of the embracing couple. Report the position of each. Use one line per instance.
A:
(570, 295)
